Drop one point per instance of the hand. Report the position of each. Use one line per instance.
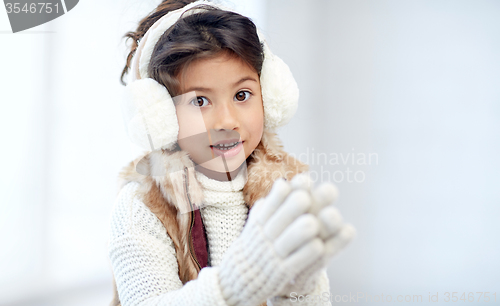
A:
(279, 240)
(334, 233)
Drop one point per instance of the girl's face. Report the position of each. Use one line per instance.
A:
(220, 113)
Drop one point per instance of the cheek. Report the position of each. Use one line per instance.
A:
(192, 136)
(255, 120)
(259, 128)
(190, 122)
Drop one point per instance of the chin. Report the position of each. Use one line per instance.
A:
(232, 164)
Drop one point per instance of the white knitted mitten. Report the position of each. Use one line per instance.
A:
(334, 233)
(278, 241)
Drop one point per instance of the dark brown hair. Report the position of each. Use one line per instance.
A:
(198, 35)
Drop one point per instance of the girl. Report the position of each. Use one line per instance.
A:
(204, 95)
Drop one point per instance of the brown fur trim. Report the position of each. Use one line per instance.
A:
(162, 179)
(168, 172)
(169, 216)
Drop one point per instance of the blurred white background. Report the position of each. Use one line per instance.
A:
(413, 86)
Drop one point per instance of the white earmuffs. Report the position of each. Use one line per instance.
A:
(148, 108)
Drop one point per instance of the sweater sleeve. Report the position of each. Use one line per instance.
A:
(319, 296)
(144, 262)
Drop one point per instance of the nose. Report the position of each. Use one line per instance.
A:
(226, 117)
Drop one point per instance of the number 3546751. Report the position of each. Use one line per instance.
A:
(470, 297)
(32, 8)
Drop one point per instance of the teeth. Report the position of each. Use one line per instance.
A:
(226, 146)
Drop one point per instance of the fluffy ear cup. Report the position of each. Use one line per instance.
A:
(149, 111)
(150, 115)
(280, 93)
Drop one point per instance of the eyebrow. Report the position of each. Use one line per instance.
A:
(197, 89)
(247, 78)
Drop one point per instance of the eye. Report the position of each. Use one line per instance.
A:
(242, 95)
(199, 101)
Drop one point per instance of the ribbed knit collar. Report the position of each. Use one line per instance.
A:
(223, 193)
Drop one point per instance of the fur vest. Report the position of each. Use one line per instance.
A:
(160, 193)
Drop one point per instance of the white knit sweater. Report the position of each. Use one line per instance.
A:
(142, 254)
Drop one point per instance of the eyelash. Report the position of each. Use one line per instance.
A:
(247, 96)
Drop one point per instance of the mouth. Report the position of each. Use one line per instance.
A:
(227, 148)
